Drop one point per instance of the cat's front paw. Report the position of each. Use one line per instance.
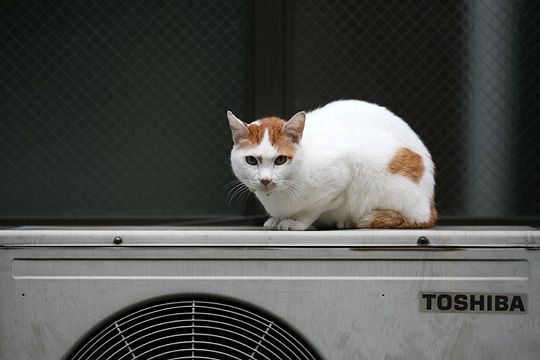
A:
(291, 225)
(271, 224)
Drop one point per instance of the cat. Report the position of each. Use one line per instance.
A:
(349, 164)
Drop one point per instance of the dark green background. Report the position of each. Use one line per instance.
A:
(116, 109)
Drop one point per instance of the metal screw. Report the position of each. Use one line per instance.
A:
(423, 241)
(117, 240)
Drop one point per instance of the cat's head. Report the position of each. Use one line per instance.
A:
(265, 154)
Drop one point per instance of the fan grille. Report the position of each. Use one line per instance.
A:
(193, 329)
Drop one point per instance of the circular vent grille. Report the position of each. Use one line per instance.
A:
(194, 329)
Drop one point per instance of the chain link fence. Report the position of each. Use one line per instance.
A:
(115, 109)
(463, 74)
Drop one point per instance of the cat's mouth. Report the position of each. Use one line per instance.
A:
(268, 187)
(264, 188)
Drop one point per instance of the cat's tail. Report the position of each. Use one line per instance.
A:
(390, 219)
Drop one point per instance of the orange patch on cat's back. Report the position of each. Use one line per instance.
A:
(278, 138)
(407, 163)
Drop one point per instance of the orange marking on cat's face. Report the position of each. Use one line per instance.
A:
(276, 134)
(407, 163)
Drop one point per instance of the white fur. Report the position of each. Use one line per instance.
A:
(339, 172)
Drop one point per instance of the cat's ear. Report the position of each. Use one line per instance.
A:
(294, 128)
(238, 127)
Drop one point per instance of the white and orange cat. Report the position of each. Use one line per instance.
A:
(349, 164)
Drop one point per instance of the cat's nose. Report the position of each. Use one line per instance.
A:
(265, 181)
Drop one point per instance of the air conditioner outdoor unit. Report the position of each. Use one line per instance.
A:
(243, 293)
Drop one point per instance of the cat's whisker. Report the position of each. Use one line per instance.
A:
(284, 189)
(242, 198)
(288, 191)
(284, 194)
(237, 190)
(294, 194)
(234, 188)
(240, 193)
(294, 191)
(232, 183)
(232, 197)
(233, 192)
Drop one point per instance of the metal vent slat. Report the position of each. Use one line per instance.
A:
(231, 350)
(193, 329)
(255, 336)
(239, 349)
(201, 357)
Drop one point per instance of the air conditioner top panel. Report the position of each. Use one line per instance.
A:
(154, 236)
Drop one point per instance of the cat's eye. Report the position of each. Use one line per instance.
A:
(251, 160)
(280, 160)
